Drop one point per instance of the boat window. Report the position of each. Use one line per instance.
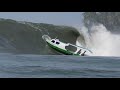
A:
(57, 42)
(53, 41)
(71, 48)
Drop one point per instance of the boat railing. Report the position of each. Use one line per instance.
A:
(80, 47)
(46, 37)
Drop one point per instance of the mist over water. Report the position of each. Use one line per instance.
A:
(100, 40)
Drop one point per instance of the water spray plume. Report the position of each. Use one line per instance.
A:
(101, 41)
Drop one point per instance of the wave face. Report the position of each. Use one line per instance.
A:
(26, 37)
(101, 33)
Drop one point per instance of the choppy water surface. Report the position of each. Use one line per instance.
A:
(58, 66)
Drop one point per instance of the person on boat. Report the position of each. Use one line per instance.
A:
(79, 52)
(83, 54)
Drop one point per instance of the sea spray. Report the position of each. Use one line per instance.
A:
(101, 41)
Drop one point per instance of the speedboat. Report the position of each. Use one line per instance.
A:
(66, 48)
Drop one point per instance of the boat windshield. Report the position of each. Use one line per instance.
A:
(55, 41)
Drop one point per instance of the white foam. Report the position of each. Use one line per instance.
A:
(101, 41)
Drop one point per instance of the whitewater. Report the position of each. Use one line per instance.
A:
(101, 41)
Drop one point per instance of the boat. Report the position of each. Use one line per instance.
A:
(66, 48)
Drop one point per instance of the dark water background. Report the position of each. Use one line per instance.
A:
(57, 66)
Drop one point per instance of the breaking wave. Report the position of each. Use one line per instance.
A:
(100, 40)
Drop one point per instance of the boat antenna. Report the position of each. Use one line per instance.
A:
(56, 37)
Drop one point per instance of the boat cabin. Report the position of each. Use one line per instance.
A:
(68, 47)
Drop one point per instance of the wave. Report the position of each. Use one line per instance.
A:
(26, 37)
(99, 33)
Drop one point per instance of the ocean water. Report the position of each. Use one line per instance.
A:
(58, 66)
